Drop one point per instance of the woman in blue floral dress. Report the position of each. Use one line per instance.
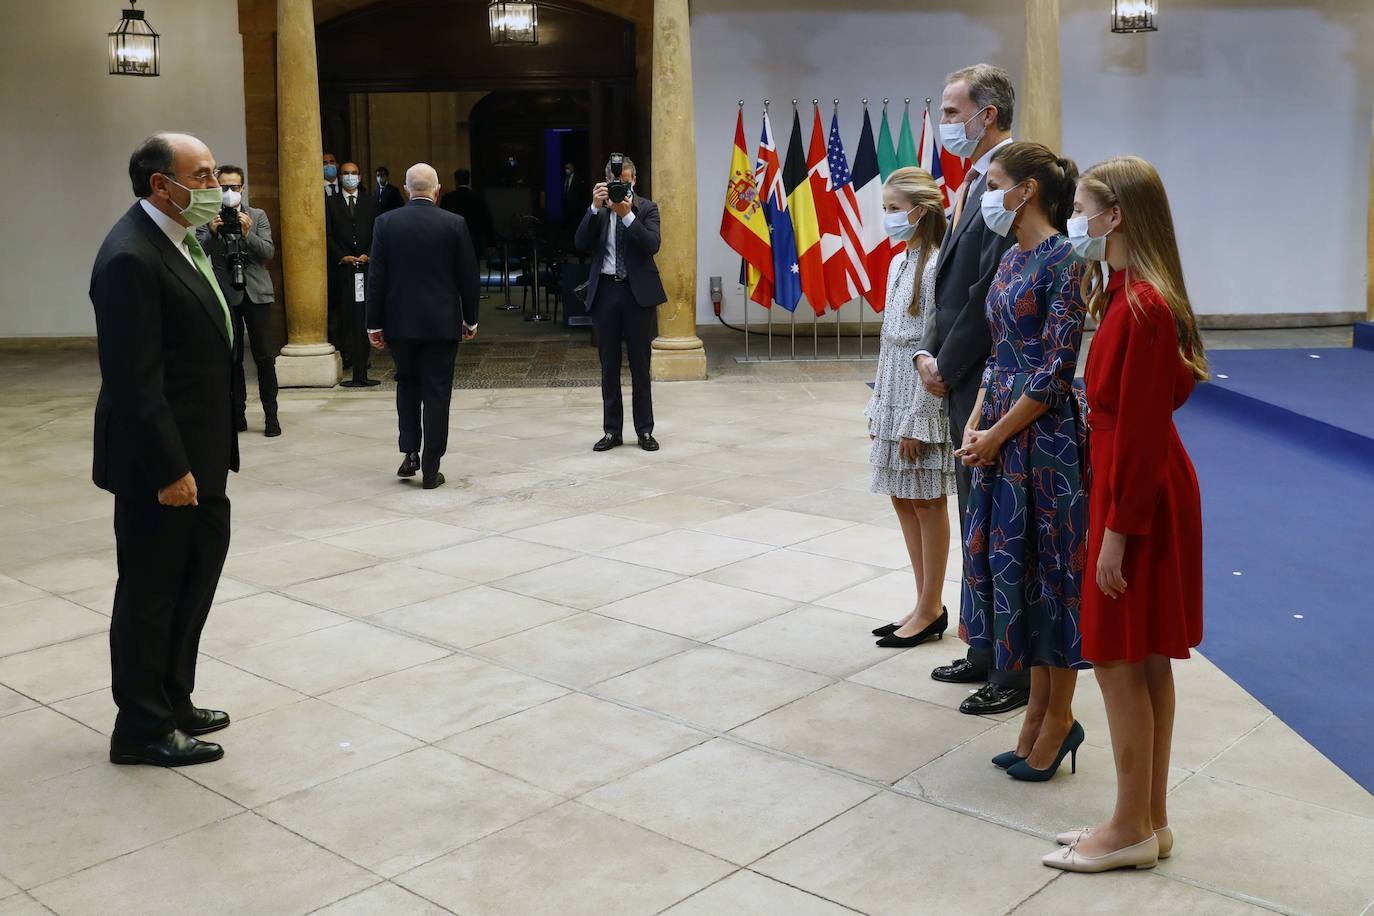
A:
(1025, 542)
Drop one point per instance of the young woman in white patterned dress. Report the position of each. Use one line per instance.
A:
(913, 461)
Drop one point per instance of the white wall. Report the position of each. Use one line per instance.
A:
(67, 129)
(1256, 113)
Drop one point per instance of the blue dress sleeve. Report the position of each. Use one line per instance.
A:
(1061, 335)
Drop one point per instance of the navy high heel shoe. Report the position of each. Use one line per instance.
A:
(1007, 759)
(1027, 773)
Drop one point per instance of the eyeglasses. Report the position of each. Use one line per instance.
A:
(202, 176)
(230, 187)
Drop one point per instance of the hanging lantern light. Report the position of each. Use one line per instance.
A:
(134, 45)
(1135, 16)
(513, 23)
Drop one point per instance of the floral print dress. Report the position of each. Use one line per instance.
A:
(1025, 543)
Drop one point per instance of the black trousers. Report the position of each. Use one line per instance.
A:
(253, 320)
(961, 401)
(169, 565)
(621, 322)
(352, 322)
(424, 388)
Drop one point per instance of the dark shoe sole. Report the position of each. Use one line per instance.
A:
(993, 710)
(133, 759)
(364, 383)
(402, 472)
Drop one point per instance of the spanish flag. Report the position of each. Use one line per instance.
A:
(802, 208)
(743, 224)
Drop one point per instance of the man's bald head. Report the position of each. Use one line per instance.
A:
(422, 180)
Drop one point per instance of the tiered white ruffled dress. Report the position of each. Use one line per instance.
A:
(901, 407)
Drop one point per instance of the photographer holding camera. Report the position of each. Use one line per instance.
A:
(621, 233)
(239, 243)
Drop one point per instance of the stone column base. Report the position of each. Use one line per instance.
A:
(309, 366)
(678, 359)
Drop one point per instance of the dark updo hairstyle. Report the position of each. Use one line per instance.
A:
(1056, 176)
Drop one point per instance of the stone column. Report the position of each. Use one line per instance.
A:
(308, 360)
(678, 354)
(1039, 118)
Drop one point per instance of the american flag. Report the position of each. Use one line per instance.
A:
(850, 218)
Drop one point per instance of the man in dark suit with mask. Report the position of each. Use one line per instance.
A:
(164, 446)
(975, 120)
(623, 295)
(348, 218)
(388, 195)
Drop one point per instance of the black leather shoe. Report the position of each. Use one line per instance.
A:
(410, 466)
(175, 749)
(995, 698)
(961, 671)
(272, 429)
(203, 721)
(648, 443)
(607, 442)
(429, 483)
(240, 424)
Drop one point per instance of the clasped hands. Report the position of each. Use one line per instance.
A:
(353, 260)
(602, 198)
(981, 447)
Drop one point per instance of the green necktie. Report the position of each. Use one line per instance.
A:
(203, 265)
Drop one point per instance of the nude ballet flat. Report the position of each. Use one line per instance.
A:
(1144, 854)
(1165, 835)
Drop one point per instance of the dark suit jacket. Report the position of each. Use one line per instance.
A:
(349, 232)
(471, 206)
(959, 338)
(388, 199)
(423, 282)
(257, 249)
(575, 198)
(642, 241)
(164, 406)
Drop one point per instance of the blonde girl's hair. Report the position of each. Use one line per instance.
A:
(1147, 227)
(919, 190)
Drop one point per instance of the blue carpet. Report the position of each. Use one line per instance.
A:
(1284, 451)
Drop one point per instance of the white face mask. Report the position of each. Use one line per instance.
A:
(350, 182)
(955, 138)
(898, 228)
(1088, 247)
(231, 198)
(995, 212)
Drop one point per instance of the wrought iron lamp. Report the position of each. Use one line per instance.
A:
(1135, 16)
(134, 47)
(513, 23)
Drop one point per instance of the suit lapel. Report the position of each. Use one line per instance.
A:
(183, 270)
(971, 205)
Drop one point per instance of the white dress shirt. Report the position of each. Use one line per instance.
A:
(175, 231)
(608, 265)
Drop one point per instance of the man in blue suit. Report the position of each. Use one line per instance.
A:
(422, 294)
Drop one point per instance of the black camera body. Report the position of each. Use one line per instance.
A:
(231, 234)
(617, 188)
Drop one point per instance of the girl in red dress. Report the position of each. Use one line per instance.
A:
(1143, 604)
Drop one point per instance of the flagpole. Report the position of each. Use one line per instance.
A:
(775, 269)
(837, 311)
(746, 277)
(794, 310)
(861, 305)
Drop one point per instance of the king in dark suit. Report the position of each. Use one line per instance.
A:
(164, 446)
(623, 295)
(422, 291)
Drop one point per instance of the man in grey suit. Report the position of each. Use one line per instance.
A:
(975, 120)
(249, 240)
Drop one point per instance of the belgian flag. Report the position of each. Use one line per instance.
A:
(805, 226)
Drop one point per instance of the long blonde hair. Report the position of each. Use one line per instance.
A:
(920, 191)
(1147, 227)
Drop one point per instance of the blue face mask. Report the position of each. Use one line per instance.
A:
(898, 228)
(331, 172)
(1088, 247)
(995, 213)
(955, 138)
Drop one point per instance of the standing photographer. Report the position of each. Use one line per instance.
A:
(239, 243)
(620, 231)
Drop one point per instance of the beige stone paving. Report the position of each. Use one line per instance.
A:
(574, 683)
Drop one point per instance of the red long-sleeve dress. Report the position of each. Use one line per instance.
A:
(1143, 484)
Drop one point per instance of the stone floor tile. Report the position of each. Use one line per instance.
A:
(751, 490)
(39, 744)
(686, 553)
(12, 702)
(889, 596)
(734, 802)
(319, 522)
(869, 732)
(1131, 892)
(907, 672)
(244, 863)
(863, 859)
(383, 900)
(22, 905)
(435, 700)
(573, 861)
(473, 616)
(327, 659)
(489, 559)
(12, 591)
(73, 572)
(499, 515)
(870, 544)
(696, 609)
(586, 582)
(573, 744)
(775, 527)
(840, 503)
(713, 687)
(57, 672)
(259, 619)
(583, 649)
(747, 893)
(818, 639)
(676, 510)
(44, 621)
(88, 816)
(588, 533)
(791, 574)
(378, 588)
(404, 538)
(278, 567)
(228, 590)
(403, 812)
(293, 748)
(666, 477)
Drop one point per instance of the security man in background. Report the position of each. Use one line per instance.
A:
(349, 216)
